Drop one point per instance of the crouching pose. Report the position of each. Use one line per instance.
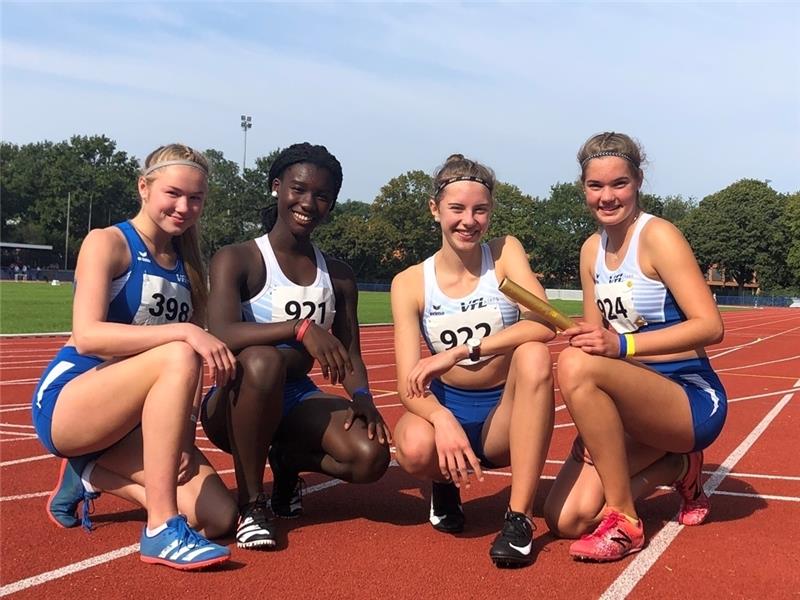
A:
(280, 304)
(485, 396)
(121, 400)
(635, 377)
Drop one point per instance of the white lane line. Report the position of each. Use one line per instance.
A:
(758, 476)
(764, 395)
(761, 364)
(758, 496)
(638, 568)
(15, 425)
(21, 461)
(24, 584)
(508, 474)
(24, 496)
(756, 341)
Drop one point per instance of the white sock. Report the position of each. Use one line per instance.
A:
(86, 476)
(156, 531)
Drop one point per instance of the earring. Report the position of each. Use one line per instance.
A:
(436, 218)
(274, 194)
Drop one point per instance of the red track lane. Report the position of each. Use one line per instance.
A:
(374, 541)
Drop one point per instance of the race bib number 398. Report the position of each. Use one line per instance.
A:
(162, 302)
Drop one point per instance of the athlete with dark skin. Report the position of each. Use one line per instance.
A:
(280, 305)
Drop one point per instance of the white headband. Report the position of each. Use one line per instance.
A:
(169, 163)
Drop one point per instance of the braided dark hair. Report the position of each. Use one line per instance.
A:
(301, 153)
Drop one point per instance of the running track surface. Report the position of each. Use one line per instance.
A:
(374, 541)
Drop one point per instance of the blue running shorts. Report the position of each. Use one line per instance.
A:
(471, 408)
(707, 398)
(65, 367)
(294, 392)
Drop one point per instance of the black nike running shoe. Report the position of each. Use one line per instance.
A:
(512, 546)
(446, 512)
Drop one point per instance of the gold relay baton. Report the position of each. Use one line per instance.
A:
(522, 296)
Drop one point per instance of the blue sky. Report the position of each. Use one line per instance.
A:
(712, 90)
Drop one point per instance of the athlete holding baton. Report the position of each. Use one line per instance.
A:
(635, 377)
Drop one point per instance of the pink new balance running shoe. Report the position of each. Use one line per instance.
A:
(615, 538)
(695, 505)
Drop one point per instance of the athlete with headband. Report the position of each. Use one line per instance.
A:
(485, 396)
(121, 398)
(635, 376)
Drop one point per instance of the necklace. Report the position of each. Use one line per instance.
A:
(149, 239)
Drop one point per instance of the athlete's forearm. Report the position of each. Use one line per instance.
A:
(239, 335)
(506, 340)
(117, 339)
(693, 334)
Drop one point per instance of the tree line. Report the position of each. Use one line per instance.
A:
(744, 229)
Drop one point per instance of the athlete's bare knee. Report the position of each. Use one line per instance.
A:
(566, 524)
(532, 364)
(413, 453)
(574, 370)
(179, 357)
(262, 366)
(219, 523)
(223, 521)
(370, 461)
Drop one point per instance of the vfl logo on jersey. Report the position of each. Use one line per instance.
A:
(181, 278)
(616, 278)
(142, 257)
(473, 304)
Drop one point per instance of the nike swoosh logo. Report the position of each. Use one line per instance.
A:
(522, 549)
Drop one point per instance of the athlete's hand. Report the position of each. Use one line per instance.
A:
(429, 368)
(593, 339)
(363, 407)
(329, 351)
(454, 450)
(187, 466)
(215, 353)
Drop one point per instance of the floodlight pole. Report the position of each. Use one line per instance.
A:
(66, 234)
(247, 123)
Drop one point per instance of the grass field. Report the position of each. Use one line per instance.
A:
(35, 307)
(28, 307)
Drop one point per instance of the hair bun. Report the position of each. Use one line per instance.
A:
(454, 157)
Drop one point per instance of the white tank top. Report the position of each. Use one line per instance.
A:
(448, 322)
(283, 300)
(629, 300)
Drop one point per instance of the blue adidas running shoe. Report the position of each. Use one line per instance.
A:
(181, 547)
(62, 506)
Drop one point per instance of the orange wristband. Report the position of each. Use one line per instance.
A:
(301, 331)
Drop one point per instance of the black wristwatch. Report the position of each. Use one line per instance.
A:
(474, 347)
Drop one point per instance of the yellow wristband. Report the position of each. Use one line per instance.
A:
(631, 350)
